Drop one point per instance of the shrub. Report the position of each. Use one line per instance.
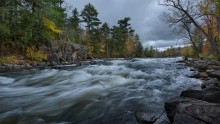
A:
(9, 59)
(35, 55)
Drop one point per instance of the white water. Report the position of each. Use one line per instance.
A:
(92, 94)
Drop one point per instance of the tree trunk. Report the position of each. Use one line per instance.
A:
(2, 48)
(218, 24)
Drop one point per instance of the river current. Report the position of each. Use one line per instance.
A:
(107, 93)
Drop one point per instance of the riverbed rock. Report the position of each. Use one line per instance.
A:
(210, 94)
(191, 111)
(213, 82)
(53, 63)
(215, 74)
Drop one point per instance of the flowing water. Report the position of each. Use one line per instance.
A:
(104, 93)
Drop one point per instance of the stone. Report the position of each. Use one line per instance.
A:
(16, 67)
(52, 63)
(210, 83)
(53, 58)
(33, 64)
(210, 94)
(191, 111)
(215, 74)
(203, 74)
(146, 118)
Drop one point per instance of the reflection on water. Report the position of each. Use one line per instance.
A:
(105, 93)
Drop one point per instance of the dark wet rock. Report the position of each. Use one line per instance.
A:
(27, 66)
(53, 58)
(213, 82)
(186, 119)
(8, 67)
(144, 118)
(210, 95)
(191, 111)
(16, 67)
(42, 64)
(215, 74)
(53, 63)
(34, 64)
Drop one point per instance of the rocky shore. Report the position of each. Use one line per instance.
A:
(198, 106)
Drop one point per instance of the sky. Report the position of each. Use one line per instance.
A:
(145, 18)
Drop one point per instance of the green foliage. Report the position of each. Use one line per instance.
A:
(90, 17)
(29, 24)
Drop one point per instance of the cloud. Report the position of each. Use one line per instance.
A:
(145, 18)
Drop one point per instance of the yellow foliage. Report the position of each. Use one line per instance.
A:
(35, 55)
(130, 46)
(102, 48)
(50, 25)
(90, 49)
(9, 59)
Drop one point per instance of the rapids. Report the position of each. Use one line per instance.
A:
(108, 92)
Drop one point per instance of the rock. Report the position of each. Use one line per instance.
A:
(210, 83)
(8, 67)
(190, 111)
(203, 75)
(27, 66)
(209, 71)
(42, 64)
(52, 63)
(34, 64)
(144, 118)
(215, 74)
(210, 95)
(16, 67)
(2, 67)
(53, 58)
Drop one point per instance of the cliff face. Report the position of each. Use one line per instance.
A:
(64, 51)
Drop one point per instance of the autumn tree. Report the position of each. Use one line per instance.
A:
(188, 11)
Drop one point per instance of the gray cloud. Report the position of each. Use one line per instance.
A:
(144, 14)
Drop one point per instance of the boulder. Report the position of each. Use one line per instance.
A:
(191, 111)
(210, 94)
(53, 58)
(52, 64)
(145, 118)
(210, 83)
(215, 74)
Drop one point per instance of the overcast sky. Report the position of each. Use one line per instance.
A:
(145, 18)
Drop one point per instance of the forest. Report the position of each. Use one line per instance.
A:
(27, 25)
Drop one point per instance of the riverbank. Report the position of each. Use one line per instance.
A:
(198, 106)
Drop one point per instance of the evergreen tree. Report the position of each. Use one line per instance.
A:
(90, 17)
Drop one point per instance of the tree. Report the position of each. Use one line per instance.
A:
(4, 24)
(188, 10)
(90, 17)
(139, 47)
(74, 23)
(105, 30)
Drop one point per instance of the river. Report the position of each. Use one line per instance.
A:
(109, 92)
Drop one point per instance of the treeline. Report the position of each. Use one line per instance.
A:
(153, 52)
(26, 24)
(198, 22)
(100, 39)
